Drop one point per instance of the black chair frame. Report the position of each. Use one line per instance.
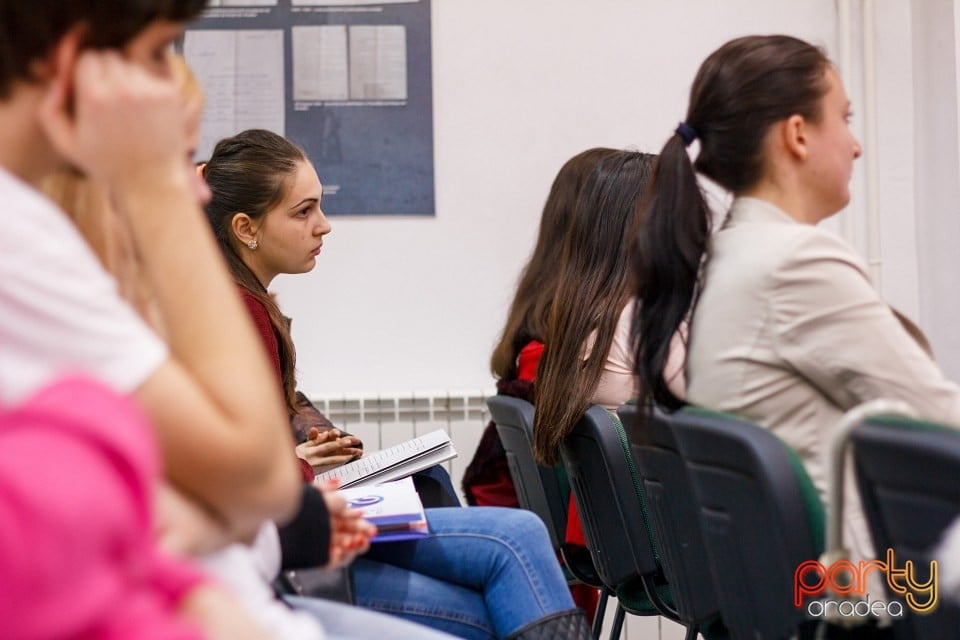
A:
(539, 490)
(760, 518)
(610, 504)
(673, 514)
(908, 474)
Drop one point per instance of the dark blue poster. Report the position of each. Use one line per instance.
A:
(349, 81)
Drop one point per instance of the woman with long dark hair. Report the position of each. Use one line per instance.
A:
(588, 357)
(487, 481)
(515, 359)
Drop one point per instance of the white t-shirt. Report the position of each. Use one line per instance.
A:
(60, 312)
(247, 572)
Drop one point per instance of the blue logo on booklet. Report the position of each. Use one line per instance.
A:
(365, 501)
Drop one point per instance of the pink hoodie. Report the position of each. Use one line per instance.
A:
(77, 556)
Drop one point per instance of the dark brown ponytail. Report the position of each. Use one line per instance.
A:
(741, 89)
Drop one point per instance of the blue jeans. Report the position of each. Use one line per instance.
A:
(483, 572)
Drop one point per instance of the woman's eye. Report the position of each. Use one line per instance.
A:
(161, 58)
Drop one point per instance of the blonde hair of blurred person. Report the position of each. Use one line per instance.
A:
(183, 526)
(108, 233)
(89, 85)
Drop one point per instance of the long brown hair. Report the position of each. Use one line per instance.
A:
(594, 284)
(740, 91)
(530, 309)
(250, 173)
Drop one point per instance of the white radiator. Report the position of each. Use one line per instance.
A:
(383, 420)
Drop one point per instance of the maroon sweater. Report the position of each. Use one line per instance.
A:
(261, 319)
(305, 542)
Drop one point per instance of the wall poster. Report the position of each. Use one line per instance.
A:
(348, 80)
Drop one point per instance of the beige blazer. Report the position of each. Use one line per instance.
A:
(789, 333)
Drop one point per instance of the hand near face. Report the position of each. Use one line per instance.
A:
(350, 534)
(325, 450)
(117, 122)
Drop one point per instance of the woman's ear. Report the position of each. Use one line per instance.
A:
(60, 61)
(794, 136)
(244, 229)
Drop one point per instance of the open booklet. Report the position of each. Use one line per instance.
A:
(395, 462)
(394, 507)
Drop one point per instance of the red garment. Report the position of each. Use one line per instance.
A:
(529, 360)
(527, 363)
(487, 481)
(499, 491)
(306, 470)
(261, 320)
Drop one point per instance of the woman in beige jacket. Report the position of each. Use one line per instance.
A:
(787, 330)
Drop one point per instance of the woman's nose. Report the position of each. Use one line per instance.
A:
(323, 226)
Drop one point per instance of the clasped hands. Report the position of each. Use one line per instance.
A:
(327, 449)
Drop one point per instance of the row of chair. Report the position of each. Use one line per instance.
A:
(704, 519)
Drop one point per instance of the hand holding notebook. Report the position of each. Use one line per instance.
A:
(350, 532)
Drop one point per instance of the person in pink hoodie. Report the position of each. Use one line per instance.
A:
(79, 550)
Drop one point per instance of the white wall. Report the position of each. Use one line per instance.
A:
(894, 155)
(416, 304)
(937, 166)
(916, 154)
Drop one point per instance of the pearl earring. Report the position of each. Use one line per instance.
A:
(252, 244)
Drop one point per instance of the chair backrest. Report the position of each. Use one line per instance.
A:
(608, 498)
(538, 488)
(908, 473)
(760, 519)
(673, 514)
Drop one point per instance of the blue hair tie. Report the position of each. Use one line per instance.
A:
(687, 133)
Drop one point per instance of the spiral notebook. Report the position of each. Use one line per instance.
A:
(394, 462)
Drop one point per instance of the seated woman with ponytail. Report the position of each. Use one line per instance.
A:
(483, 572)
(787, 330)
